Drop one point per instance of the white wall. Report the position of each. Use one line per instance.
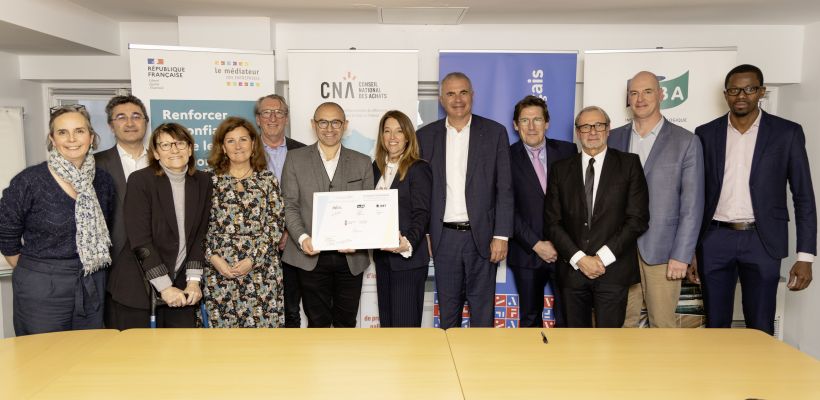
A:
(801, 103)
(777, 49)
(15, 92)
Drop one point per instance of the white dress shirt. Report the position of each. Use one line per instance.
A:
(458, 145)
(130, 164)
(606, 255)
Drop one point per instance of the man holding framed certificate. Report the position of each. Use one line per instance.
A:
(331, 280)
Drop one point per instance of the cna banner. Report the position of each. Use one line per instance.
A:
(199, 87)
(366, 84)
(691, 81)
(501, 79)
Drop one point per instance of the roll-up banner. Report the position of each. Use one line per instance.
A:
(691, 81)
(366, 83)
(199, 87)
(500, 79)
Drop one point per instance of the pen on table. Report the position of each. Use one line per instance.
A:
(544, 338)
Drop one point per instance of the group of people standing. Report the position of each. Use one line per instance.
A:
(136, 233)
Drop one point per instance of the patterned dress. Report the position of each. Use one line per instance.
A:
(245, 224)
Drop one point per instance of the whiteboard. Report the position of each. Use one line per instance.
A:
(12, 147)
(12, 152)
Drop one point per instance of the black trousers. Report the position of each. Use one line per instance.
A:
(530, 283)
(120, 316)
(293, 296)
(608, 301)
(401, 296)
(330, 293)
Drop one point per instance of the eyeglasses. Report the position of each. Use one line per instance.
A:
(179, 144)
(537, 121)
(279, 114)
(748, 90)
(587, 128)
(66, 107)
(323, 123)
(122, 118)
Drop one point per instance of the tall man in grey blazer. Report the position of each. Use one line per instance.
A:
(128, 120)
(331, 280)
(672, 161)
(471, 212)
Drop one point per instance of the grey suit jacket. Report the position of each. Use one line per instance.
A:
(674, 174)
(303, 174)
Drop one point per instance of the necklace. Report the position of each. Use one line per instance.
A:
(239, 186)
(244, 174)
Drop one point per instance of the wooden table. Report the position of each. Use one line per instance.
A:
(630, 364)
(264, 363)
(29, 363)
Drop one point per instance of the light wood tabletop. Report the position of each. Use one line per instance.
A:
(29, 363)
(630, 364)
(264, 363)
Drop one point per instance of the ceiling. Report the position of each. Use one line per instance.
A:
(743, 12)
(21, 38)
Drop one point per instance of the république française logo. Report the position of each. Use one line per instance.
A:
(157, 68)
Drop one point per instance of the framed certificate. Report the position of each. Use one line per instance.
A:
(358, 219)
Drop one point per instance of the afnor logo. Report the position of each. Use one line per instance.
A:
(675, 91)
(156, 61)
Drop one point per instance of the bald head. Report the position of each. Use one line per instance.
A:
(645, 96)
(329, 106)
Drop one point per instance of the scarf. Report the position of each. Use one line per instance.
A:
(93, 240)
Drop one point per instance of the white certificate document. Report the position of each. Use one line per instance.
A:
(357, 219)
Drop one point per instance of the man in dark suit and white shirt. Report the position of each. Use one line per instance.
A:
(532, 256)
(749, 156)
(471, 212)
(331, 281)
(597, 206)
(272, 115)
(128, 120)
(672, 160)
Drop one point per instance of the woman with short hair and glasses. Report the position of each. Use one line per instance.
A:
(243, 282)
(54, 220)
(166, 219)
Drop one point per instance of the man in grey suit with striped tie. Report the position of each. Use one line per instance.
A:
(672, 160)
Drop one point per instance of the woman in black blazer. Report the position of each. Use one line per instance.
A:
(166, 211)
(401, 272)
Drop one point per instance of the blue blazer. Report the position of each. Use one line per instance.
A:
(414, 216)
(529, 202)
(779, 157)
(488, 189)
(674, 174)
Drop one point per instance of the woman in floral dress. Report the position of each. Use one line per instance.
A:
(243, 283)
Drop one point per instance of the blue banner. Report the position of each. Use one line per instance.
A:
(201, 117)
(502, 79)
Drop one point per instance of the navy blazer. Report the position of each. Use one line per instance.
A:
(488, 189)
(414, 216)
(529, 201)
(779, 157)
(620, 215)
